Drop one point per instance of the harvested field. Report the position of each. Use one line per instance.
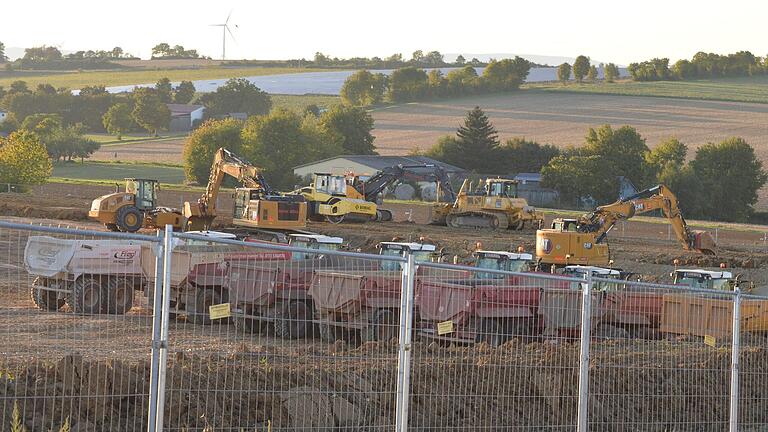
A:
(164, 151)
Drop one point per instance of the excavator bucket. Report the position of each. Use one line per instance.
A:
(704, 243)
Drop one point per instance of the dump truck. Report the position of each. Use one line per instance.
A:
(135, 208)
(493, 205)
(366, 302)
(91, 276)
(277, 292)
(583, 241)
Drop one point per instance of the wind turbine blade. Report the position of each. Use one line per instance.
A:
(230, 33)
(230, 14)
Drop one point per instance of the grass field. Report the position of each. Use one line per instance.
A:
(745, 89)
(75, 80)
(111, 172)
(298, 102)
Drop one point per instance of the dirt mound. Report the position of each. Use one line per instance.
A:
(24, 210)
(648, 387)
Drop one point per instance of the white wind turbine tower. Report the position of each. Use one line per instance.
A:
(224, 30)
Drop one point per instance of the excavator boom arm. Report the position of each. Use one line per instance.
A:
(391, 175)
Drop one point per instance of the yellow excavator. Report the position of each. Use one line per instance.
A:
(135, 208)
(582, 240)
(495, 205)
(257, 205)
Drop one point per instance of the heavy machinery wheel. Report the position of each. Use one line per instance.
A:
(129, 219)
(452, 221)
(197, 311)
(44, 299)
(248, 324)
(383, 215)
(119, 296)
(490, 332)
(517, 225)
(111, 227)
(88, 295)
(335, 219)
(293, 321)
(383, 326)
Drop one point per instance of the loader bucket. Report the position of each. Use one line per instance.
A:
(704, 243)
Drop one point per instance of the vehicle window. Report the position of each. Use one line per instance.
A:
(518, 266)
(697, 282)
(391, 265)
(721, 284)
(488, 263)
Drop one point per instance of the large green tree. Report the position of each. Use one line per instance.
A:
(202, 144)
(475, 147)
(518, 155)
(506, 74)
(237, 95)
(353, 125)
(564, 73)
(149, 111)
(580, 67)
(408, 84)
(3, 57)
(184, 92)
(117, 120)
(622, 149)
(611, 72)
(670, 152)
(577, 177)
(731, 174)
(23, 159)
(164, 90)
(281, 140)
(363, 88)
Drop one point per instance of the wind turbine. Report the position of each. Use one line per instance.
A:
(224, 30)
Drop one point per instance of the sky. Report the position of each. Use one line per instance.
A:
(615, 31)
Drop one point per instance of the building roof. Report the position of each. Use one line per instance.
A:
(528, 177)
(181, 109)
(378, 163)
(710, 273)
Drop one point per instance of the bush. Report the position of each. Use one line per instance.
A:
(203, 143)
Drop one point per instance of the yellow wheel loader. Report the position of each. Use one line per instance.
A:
(495, 206)
(135, 208)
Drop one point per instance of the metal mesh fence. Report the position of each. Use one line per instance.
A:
(254, 335)
(76, 329)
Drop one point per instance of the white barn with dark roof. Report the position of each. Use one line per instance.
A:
(367, 165)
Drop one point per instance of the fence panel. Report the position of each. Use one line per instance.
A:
(76, 329)
(269, 337)
(660, 357)
(753, 363)
(494, 350)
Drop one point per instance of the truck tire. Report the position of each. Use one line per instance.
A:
(197, 311)
(129, 219)
(248, 323)
(44, 299)
(88, 295)
(293, 322)
(383, 326)
(119, 296)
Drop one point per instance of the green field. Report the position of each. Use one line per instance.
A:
(76, 79)
(746, 89)
(111, 172)
(298, 102)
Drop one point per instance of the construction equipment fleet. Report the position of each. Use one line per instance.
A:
(494, 205)
(135, 208)
(583, 240)
(257, 207)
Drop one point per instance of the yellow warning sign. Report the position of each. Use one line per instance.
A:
(444, 327)
(219, 311)
(710, 340)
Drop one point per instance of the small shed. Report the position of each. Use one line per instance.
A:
(529, 187)
(184, 117)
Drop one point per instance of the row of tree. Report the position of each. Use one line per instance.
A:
(582, 67)
(165, 51)
(702, 65)
(50, 57)
(278, 141)
(719, 183)
(364, 88)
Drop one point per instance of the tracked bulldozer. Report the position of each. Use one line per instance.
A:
(495, 205)
(134, 208)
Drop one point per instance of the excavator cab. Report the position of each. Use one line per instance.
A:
(145, 191)
(335, 185)
(705, 279)
(501, 188)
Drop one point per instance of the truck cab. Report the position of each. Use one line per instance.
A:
(704, 279)
(313, 241)
(420, 251)
(501, 260)
(597, 272)
(145, 191)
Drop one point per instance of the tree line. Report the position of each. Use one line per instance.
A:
(280, 140)
(51, 58)
(701, 65)
(720, 182)
(364, 88)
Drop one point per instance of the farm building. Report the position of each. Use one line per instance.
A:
(367, 165)
(529, 187)
(185, 117)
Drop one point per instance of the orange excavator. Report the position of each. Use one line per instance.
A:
(583, 240)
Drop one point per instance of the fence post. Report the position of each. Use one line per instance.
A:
(165, 315)
(404, 341)
(586, 332)
(733, 419)
(157, 295)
